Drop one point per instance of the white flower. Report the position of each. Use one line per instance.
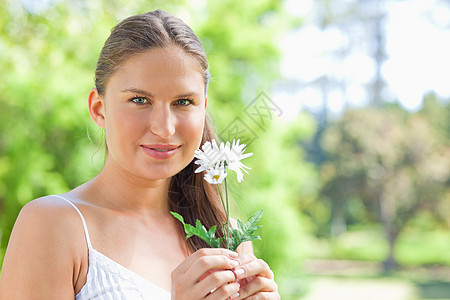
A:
(213, 157)
(234, 155)
(216, 174)
(209, 156)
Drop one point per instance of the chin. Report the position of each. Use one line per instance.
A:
(163, 173)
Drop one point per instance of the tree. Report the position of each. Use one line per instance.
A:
(280, 179)
(393, 161)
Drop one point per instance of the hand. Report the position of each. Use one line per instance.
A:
(255, 278)
(206, 274)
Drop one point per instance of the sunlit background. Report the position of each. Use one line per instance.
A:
(344, 103)
(347, 46)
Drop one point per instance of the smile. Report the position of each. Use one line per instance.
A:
(160, 151)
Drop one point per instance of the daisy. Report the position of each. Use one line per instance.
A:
(209, 156)
(214, 161)
(231, 154)
(216, 174)
(234, 155)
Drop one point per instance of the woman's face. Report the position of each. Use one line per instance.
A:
(154, 113)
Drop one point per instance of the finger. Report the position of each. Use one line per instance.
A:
(246, 258)
(256, 286)
(207, 263)
(245, 281)
(226, 291)
(255, 267)
(245, 247)
(187, 263)
(214, 281)
(206, 252)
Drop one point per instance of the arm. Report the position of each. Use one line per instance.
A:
(39, 261)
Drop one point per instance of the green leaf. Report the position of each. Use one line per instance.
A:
(245, 231)
(199, 230)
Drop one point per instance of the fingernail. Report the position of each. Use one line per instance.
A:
(234, 263)
(233, 254)
(239, 272)
(234, 296)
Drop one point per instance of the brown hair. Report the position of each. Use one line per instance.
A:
(192, 197)
(189, 195)
(136, 34)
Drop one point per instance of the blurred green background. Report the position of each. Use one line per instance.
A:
(356, 205)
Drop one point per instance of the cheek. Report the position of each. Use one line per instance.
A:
(124, 126)
(192, 129)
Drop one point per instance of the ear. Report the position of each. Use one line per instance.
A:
(97, 108)
(206, 101)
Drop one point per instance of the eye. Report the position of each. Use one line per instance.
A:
(139, 100)
(183, 102)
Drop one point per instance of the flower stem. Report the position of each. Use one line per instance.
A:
(221, 197)
(227, 210)
(226, 228)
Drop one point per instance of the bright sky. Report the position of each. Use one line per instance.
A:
(418, 59)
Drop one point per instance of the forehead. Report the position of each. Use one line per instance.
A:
(160, 71)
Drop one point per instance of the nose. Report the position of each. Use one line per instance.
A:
(162, 121)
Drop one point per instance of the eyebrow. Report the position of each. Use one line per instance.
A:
(139, 91)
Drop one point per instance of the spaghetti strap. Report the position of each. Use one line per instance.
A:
(88, 240)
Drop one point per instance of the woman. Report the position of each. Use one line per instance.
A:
(113, 237)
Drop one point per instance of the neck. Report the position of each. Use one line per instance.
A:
(118, 189)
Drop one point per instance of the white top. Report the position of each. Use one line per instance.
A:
(109, 280)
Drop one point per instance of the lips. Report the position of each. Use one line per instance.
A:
(160, 151)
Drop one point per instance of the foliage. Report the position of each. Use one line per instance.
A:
(281, 179)
(240, 38)
(199, 230)
(394, 162)
(243, 233)
(43, 145)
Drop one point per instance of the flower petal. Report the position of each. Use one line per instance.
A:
(216, 174)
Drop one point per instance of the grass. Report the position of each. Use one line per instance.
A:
(350, 267)
(433, 290)
(413, 247)
(350, 280)
(423, 248)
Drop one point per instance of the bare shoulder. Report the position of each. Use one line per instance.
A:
(48, 219)
(41, 254)
(47, 205)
